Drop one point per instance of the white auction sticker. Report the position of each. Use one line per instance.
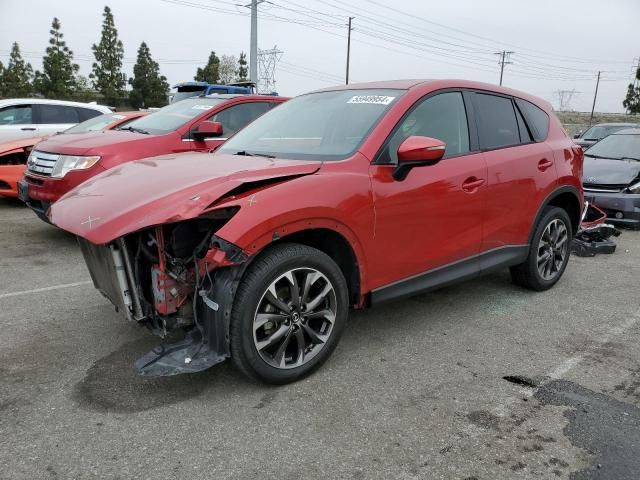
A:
(202, 107)
(374, 99)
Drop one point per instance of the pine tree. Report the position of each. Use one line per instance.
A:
(632, 102)
(211, 72)
(57, 79)
(242, 72)
(148, 87)
(107, 76)
(17, 76)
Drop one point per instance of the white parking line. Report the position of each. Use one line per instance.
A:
(44, 289)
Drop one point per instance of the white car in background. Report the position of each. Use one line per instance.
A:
(36, 117)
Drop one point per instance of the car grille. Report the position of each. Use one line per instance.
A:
(42, 163)
(597, 187)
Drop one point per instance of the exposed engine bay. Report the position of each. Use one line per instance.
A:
(177, 279)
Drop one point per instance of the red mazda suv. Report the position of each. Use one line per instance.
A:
(345, 197)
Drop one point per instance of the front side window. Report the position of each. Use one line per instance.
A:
(16, 115)
(237, 117)
(442, 116)
(54, 114)
(497, 123)
(174, 116)
(318, 126)
(617, 147)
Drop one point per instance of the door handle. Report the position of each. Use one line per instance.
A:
(544, 164)
(31, 129)
(471, 184)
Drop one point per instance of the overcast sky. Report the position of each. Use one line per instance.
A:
(558, 44)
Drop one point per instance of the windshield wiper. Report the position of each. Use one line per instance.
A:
(249, 154)
(134, 129)
(587, 154)
(630, 158)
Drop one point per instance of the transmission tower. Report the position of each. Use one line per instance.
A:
(564, 99)
(267, 60)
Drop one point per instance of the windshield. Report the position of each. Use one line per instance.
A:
(172, 117)
(617, 147)
(318, 126)
(599, 132)
(94, 124)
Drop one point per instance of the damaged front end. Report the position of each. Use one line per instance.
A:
(179, 280)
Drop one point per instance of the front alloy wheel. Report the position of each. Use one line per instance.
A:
(294, 318)
(288, 313)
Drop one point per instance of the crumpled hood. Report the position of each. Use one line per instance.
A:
(160, 190)
(18, 144)
(602, 171)
(90, 142)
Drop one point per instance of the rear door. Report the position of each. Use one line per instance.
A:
(16, 122)
(55, 118)
(516, 163)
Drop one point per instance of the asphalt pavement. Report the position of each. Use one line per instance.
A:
(415, 390)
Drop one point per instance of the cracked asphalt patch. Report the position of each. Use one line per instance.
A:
(415, 390)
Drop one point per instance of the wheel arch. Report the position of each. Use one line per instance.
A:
(331, 238)
(566, 197)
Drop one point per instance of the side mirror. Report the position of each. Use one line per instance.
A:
(577, 135)
(207, 129)
(417, 151)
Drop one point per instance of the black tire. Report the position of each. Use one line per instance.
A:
(272, 264)
(527, 274)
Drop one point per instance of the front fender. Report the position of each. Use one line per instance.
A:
(336, 201)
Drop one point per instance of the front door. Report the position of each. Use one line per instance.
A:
(16, 122)
(434, 217)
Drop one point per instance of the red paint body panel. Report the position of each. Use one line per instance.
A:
(438, 215)
(117, 147)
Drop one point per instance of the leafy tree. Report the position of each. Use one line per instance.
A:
(17, 76)
(632, 102)
(210, 73)
(107, 76)
(227, 68)
(243, 71)
(57, 79)
(148, 87)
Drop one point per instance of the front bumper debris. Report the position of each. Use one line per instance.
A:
(594, 235)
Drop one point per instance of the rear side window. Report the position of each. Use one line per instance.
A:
(87, 113)
(536, 118)
(238, 116)
(497, 125)
(52, 114)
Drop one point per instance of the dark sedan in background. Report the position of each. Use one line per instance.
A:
(597, 132)
(611, 176)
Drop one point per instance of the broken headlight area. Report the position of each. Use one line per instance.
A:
(179, 280)
(594, 235)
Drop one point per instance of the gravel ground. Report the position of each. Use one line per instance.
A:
(415, 390)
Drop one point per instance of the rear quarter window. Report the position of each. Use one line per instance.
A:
(87, 113)
(536, 118)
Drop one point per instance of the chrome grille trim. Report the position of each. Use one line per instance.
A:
(42, 163)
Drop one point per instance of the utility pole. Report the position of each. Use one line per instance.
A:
(253, 51)
(348, 47)
(504, 60)
(595, 95)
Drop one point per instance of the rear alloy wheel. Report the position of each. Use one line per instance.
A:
(548, 253)
(288, 314)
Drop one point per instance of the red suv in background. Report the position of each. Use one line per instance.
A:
(63, 162)
(350, 196)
